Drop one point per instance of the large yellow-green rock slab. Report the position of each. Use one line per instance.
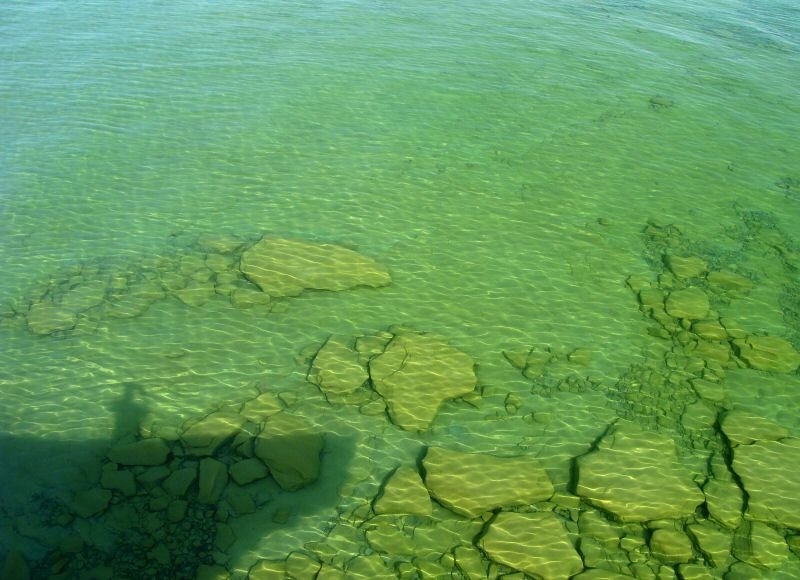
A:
(282, 267)
(404, 493)
(636, 476)
(768, 471)
(416, 374)
(533, 543)
(473, 483)
(768, 353)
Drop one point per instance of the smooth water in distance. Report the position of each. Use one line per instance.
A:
(539, 309)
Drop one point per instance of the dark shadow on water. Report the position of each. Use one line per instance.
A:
(59, 521)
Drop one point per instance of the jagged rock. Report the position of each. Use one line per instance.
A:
(179, 481)
(45, 318)
(336, 370)
(744, 428)
(291, 449)
(212, 480)
(248, 470)
(768, 353)
(404, 493)
(282, 267)
(768, 470)
(671, 546)
(207, 435)
(725, 501)
(468, 483)
(263, 406)
(91, 502)
(636, 476)
(416, 374)
(533, 543)
(122, 480)
(759, 545)
(686, 267)
(690, 303)
(152, 451)
(715, 544)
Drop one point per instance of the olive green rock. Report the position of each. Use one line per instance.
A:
(671, 546)
(282, 267)
(534, 543)
(336, 369)
(404, 493)
(44, 318)
(91, 502)
(290, 447)
(416, 374)
(212, 479)
(473, 483)
(207, 435)
(248, 470)
(768, 471)
(152, 451)
(768, 353)
(690, 303)
(636, 476)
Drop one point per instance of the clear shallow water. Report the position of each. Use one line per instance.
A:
(502, 161)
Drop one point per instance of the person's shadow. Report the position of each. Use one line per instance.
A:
(70, 512)
(129, 414)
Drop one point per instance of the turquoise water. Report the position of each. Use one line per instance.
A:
(502, 161)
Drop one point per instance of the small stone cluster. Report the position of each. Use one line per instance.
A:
(162, 508)
(227, 267)
(403, 372)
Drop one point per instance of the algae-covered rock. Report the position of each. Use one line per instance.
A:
(152, 451)
(671, 546)
(404, 493)
(534, 543)
(686, 267)
(248, 470)
(46, 318)
(416, 374)
(768, 353)
(473, 483)
(768, 471)
(636, 476)
(282, 267)
(211, 481)
(291, 449)
(208, 434)
(743, 428)
(690, 303)
(91, 502)
(336, 369)
(760, 545)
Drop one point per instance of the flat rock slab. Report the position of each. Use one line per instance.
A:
(533, 543)
(768, 470)
(416, 374)
(768, 353)
(404, 493)
(473, 483)
(291, 449)
(336, 369)
(282, 267)
(636, 476)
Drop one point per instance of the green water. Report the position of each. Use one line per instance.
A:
(502, 160)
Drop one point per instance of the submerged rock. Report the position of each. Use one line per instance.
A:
(636, 476)
(291, 449)
(416, 374)
(768, 353)
(534, 543)
(282, 267)
(473, 483)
